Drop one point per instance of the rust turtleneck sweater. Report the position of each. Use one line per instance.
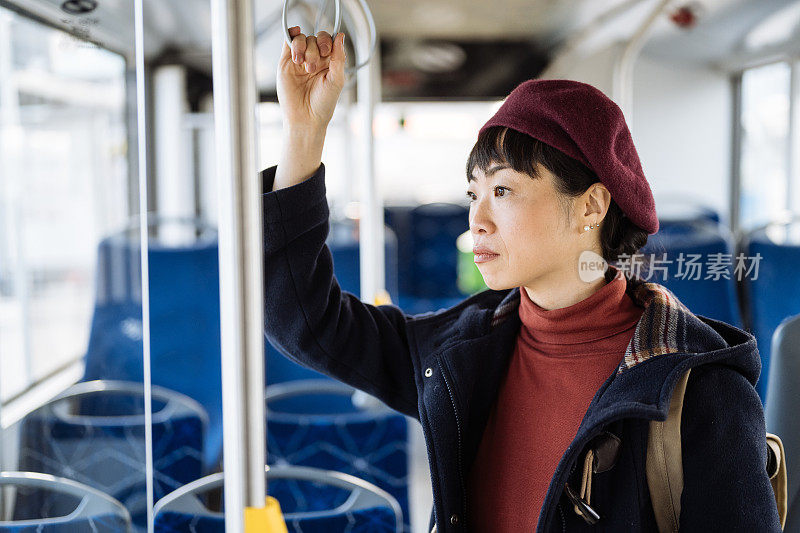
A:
(561, 358)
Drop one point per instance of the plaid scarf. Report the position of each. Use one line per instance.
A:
(661, 328)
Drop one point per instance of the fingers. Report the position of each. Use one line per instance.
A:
(286, 51)
(298, 45)
(339, 53)
(338, 59)
(315, 52)
(312, 54)
(324, 43)
(294, 31)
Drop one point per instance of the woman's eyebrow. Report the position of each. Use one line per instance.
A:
(489, 172)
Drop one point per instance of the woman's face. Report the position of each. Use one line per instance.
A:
(524, 221)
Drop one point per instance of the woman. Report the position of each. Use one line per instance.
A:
(514, 385)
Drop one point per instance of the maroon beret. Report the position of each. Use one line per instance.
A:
(582, 122)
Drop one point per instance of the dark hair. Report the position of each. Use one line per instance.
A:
(498, 144)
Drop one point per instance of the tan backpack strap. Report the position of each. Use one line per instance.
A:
(586, 481)
(776, 469)
(664, 462)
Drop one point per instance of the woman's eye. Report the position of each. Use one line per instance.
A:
(469, 193)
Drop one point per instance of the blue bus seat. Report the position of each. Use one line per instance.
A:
(774, 294)
(704, 293)
(185, 352)
(367, 440)
(311, 500)
(435, 228)
(781, 404)
(42, 502)
(94, 433)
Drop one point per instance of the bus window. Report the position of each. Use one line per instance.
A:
(765, 137)
(64, 185)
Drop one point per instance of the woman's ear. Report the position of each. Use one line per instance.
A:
(597, 202)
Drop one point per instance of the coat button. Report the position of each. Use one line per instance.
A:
(428, 372)
(454, 519)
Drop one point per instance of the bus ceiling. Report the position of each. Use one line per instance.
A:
(431, 51)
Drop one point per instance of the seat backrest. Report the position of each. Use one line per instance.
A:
(781, 405)
(58, 504)
(435, 227)
(699, 267)
(398, 217)
(774, 293)
(365, 439)
(94, 432)
(184, 321)
(682, 207)
(316, 500)
(346, 252)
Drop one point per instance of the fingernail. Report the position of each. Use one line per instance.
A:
(323, 49)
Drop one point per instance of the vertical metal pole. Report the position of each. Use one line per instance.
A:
(175, 191)
(623, 69)
(371, 235)
(144, 246)
(205, 169)
(240, 255)
(793, 140)
(347, 99)
(736, 154)
(8, 111)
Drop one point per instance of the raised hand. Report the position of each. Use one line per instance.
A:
(310, 78)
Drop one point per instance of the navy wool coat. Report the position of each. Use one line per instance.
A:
(445, 368)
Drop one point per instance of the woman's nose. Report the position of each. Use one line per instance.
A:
(479, 219)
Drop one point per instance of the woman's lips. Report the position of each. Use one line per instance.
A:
(482, 258)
